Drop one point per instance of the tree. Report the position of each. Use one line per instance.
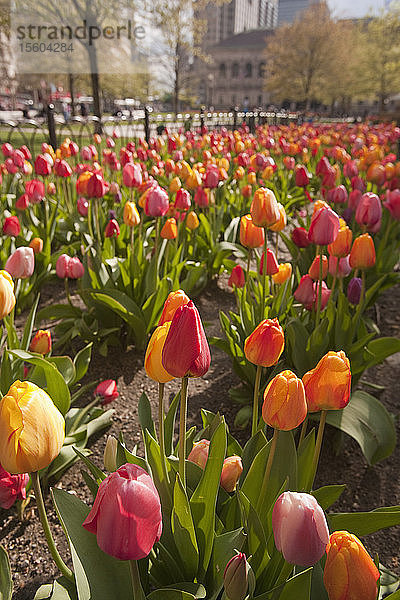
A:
(301, 56)
(183, 26)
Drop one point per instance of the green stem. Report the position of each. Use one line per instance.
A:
(317, 449)
(254, 426)
(360, 306)
(161, 430)
(264, 275)
(67, 292)
(82, 413)
(182, 431)
(317, 316)
(46, 528)
(138, 593)
(248, 267)
(166, 259)
(335, 276)
(267, 473)
(303, 431)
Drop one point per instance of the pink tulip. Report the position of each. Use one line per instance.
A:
(324, 227)
(86, 153)
(21, 263)
(338, 195)
(35, 191)
(350, 169)
(96, 186)
(82, 206)
(22, 203)
(344, 268)
(354, 199)
(211, 178)
(305, 291)
(369, 210)
(62, 266)
(76, 268)
(126, 515)
(132, 175)
(42, 165)
(201, 198)
(107, 389)
(12, 487)
(62, 168)
(11, 226)
(7, 149)
(18, 158)
(10, 166)
(325, 295)
(392, 203)
(157, 202)
(182, 200)
(300, 529)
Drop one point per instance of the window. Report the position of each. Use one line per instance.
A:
(248, 70)
(235, 70)
(261, 69)
(222, 70)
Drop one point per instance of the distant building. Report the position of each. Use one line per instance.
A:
(236, 77)
(288, 10)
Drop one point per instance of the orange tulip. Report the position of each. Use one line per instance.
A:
(340, 247)
(285, 405)
(199, 453)
(173, 301)
(175, 185)
(281, 224)
(285, 271)
(37, 245)
(82, 183)
(264, 209)
(251, 236)
(350, 573)
(313, 271)
(152, 361)
(41, 342)
(192, 221)
(251, 178)
(169, 230)
(231, 472)
(265, 345)
(328, 385)
(362, 254)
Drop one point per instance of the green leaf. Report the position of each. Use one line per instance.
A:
(95, 471)
(145, 416)
(203, 501)
(170, 594)
(364, 523)
(378, 350)
(183, 531)
(169, 425)
(97, 574)
(55, 383)
(6, 584)
(82, 362)
(26, 338)
(225, 546)
(297, 587)
(327, 495)
(369, 423)
(65, 366)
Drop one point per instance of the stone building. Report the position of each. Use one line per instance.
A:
(235, 76)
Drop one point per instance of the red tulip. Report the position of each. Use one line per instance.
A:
(182, 200)
(112, 229)
(201, 198)
(305, 291)
(96, 186)
(211, 178)
(7, 149)
(186, 351)
(354, 199)
(302, 177)
(237, 277)
(107, 390)
(35, 191)
(42, 165)
(126, 515)
(82, 206)
(22, 203)
(272, 266)
(299, 236)
(11, 226)
(62, 168)
(12, 487)
(324, 227)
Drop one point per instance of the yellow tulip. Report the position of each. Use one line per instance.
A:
(152, 361)
(32, 429)
(7, 298)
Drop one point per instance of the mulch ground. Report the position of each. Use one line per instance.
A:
(367, 487)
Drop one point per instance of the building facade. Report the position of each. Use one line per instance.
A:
(288, 10)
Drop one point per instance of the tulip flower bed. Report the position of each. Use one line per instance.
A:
(306, 223)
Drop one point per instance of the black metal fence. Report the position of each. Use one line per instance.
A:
(141, 124)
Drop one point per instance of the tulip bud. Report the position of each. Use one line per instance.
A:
(328, 385)
(284, 404)
(112, 229)
(37, 245)
(300, 529)
(110, 454)
(299, 237)
(152, 361)
(174, 300)
(31, 429)
(283, 274)
(349, 570)
(231, 472)
(192, 221)
(186, 351)
(324, 227)
(199, 453)
(362, 254)
(107, 391)
(11, 226)
(169, 230)
(272, 264)
(7, 298)
(313, 271)
(264, 346)
(236, 278)
(41, 342)
(264, 209)
(354, 290)
(126, 515)
(251, 236)
(236, 577)
(12, 487)
(21, 263)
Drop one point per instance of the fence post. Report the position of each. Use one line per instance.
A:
(147, 124)
(52, 126)
(201, 122)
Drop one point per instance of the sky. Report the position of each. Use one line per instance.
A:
(355, 8)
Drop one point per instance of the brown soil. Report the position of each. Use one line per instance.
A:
(367, 487)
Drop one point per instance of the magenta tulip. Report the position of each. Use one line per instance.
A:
(157, 202)
(126, 515)
(21, 263)
(12, 487)
(132, 175)
(82, 206)
(107, 390)
(300, 529)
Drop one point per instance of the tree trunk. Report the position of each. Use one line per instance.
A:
(72, 93)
